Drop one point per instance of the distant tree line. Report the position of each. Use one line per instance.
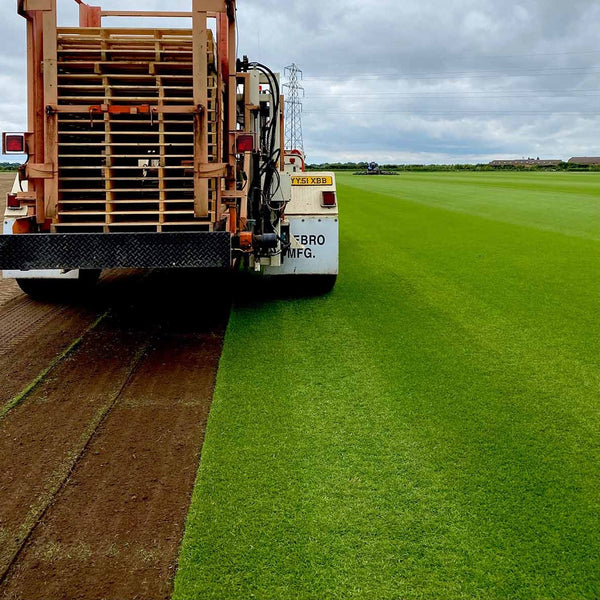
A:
(362, 166)
(7, 166)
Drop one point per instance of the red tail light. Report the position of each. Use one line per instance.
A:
(329, 199)
(14, 143)
(245, 143)
(12, 201)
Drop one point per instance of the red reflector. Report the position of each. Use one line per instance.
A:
(245, 143)
(12, 201)
(15, 143)
(292, 161)
(329, 199)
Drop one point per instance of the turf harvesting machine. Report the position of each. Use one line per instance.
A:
(156, 148)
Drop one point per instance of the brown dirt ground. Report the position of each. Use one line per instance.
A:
(33, 334)
(97, 465)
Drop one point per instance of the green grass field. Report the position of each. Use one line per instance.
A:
(431, 429)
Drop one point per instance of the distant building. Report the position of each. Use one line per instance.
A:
(585, 161)
(526, 162)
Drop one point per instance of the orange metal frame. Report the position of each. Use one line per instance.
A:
(43, 109)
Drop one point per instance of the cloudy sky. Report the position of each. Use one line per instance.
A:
(407, 81)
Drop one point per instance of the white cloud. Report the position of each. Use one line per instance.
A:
(411, 80)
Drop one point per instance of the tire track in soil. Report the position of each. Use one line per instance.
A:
(8, 290)
(41, 439)
(33, 334)
(113, 521)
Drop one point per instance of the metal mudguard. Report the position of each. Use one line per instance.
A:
(115, 250)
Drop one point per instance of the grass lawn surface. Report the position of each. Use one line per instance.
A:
(431, 429)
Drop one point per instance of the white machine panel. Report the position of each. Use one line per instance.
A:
(314, 250)
(42, 274)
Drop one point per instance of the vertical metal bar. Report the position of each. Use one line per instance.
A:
(37, 98)
(50, 59)
(200, 79)
(90, 16)
(32, 76)
(249, 125)
(232, 98)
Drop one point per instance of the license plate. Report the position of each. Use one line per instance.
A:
(310, 180)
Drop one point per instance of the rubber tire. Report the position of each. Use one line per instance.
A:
(60, 289)
(321, 284)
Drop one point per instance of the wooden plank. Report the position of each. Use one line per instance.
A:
(125, 145)
(142, 13)
(102, 99)
(190, 156)
(126, 63)
(122, 213)
(75, 133)
(122, 190)
(83, 41)
(137, 52)
(112, 50)
(135, 179)
(87, 87)
(127, 202)
(125, 31)
(96, 167)
(168, 110)
(133, 77)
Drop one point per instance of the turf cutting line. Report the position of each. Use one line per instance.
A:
(137, 361)
(11, 404)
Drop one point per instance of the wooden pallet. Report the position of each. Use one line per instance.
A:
(130, 172)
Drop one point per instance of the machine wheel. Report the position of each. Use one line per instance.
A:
(321, 284)
(60, 289)
(306, 285)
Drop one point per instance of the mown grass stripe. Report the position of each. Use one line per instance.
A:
(430, 429)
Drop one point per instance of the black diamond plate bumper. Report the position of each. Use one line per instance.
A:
(115, 250)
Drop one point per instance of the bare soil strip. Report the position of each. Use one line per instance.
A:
(33, 334)
(41, 439)
(97, 465)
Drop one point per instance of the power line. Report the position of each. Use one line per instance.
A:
(475, 94)
(293, 124)
(494, 56)
(457, 112)
(466, 97)
(544, 72)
